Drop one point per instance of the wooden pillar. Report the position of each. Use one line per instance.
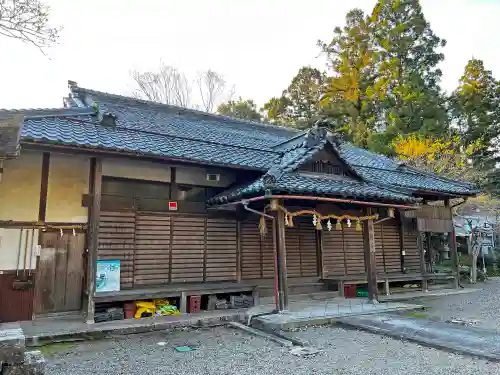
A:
(93, 238)
(44, 188)
(279, 228)
(370, 258)
(452, 245)
(423, 271)
(402, 250)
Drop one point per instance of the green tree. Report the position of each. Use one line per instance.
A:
(298, 105)
(351, 97)
(407, 59)
(476, 115)
(243, 109)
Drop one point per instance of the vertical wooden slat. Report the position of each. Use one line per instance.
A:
(238, 250)
(96, 185)
(221, 250)
(75, 272)
(333, 253)
(188, 247)
(151, 253)
(370, 258)
(44, 187)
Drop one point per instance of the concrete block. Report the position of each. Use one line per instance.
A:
(12, 344)
(33, 364)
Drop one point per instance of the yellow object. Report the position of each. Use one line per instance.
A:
(144, 307)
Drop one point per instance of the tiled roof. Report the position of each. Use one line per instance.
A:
(300, 183)
(146, 128)
(85, 132)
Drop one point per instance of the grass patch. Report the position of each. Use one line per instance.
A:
(416, 314)
(56, 348)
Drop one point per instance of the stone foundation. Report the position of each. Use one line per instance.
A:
(14, 359)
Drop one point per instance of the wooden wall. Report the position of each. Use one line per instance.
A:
(343, 253)
(301, 249)
(156, 249)
(14, 304)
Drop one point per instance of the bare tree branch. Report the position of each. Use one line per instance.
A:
(213, 89)
(28, 21)
(168, 85)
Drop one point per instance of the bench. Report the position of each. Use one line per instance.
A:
(181, 291)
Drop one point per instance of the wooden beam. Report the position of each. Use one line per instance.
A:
(238, 250)
(452, 245)
(423, 271)
(402, 250)
(93, 238)
(370, 258)
(279, 228)
(44, 187)
(319, 254)
(174, 188)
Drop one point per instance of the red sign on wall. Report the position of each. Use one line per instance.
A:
(172, 206)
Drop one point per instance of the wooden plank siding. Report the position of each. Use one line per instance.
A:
(301, 253)
(156, 249)
(343, 250)
(257, 252)
(152, 250)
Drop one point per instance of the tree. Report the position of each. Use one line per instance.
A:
(213, 89)
(407, 59)
(476, 116)
(298, 105)
(27, 21)
(351, 95)
(243, 109)
(169, 85)
(443, 156)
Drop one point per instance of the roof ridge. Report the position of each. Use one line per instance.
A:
(30, 113)
(135, 130)
(416, 171)
(435, 175)
(75, 88)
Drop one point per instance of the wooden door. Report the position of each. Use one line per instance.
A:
(60, 273)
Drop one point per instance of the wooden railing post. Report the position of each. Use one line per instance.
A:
(93, 238)
(370, 258)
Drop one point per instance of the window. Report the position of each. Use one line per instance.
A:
(135, 194)
(192, 193)
(327, 167)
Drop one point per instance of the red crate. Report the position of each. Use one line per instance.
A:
(194, 304)
(350, 291)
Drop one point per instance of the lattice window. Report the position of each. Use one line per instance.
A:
(327, 167)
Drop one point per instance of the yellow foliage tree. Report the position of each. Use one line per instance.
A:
(443, 156)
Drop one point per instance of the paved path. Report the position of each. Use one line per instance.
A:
(474, 341)
(482, 305)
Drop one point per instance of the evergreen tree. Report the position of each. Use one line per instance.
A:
(298, 105)
(407, 62)
(476, 117)
(243, 109)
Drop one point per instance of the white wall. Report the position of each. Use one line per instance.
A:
(11, 254)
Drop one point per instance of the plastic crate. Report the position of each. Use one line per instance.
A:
(194, 304)
(349, 291)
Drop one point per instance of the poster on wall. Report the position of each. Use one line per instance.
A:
(107, 276)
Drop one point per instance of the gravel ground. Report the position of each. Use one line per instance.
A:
(228, 351)
(482, 306)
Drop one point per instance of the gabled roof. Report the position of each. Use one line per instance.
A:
(145, 128)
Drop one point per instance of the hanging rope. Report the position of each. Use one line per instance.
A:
(317, 218)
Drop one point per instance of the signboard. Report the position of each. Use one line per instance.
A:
(107, 276)
(172, 206)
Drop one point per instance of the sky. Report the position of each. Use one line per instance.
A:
(257, 45)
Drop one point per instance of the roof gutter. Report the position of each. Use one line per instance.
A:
(321, 199)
